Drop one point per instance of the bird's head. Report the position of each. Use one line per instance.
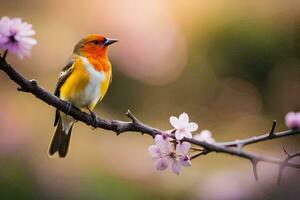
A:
(94, 45)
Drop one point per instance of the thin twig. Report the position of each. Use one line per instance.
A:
(254, 166)
(271, 134)
(283, 165)
(256, 139)
(203, 152)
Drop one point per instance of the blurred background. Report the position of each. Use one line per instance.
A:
(232, 65)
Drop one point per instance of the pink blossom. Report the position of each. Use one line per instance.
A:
(205, 136)
(163, 142)
(164, 155)
(183, 127)
(16, 36)
(185, 161)
(292, 120)
(182, 149)
(161, 163)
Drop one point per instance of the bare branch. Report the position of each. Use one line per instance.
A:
(284, 164)
(271, 134)
(131, 116)
(254, 166)
(256, 139)
(136, 125)
(202, 152)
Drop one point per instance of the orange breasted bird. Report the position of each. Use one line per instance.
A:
(83, 82)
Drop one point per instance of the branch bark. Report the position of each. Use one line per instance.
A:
(261, 138)
(32, 87)
(282, 166)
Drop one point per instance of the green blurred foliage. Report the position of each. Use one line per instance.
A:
(248, 50)
(16, 182)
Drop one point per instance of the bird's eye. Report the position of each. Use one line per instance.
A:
(96, 42)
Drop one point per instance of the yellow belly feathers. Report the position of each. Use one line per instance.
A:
(86, 85)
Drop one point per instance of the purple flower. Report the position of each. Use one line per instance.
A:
(15, 36)
(292, 120)
(183, 127)
(164, 154)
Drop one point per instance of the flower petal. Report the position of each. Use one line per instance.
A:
(188, 135)
(14, 36)
(185, 161)
(205, 136)
(161, 164)
(192, 127)
(198, 137)
(163, 144)
(28, 40)
(174, 122)
(154, 152)
(184, 119)
(179, 135)
(183, 148)
(16, 21)
(5, 24)
(292, 120)
(175, 167)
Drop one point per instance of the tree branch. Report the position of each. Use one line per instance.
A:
(256, 139)
(31, 86)
(282, 166)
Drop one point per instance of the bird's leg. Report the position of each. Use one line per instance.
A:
(95, 121)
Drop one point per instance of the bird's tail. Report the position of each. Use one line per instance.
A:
(61, 140)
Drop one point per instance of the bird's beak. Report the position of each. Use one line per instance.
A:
(109, 41)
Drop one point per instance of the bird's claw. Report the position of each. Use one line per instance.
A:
(68, 107)
(95, 120)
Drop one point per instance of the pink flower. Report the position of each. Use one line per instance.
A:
(15, 36)
(182, 149)
(164, 154)
(185, 161)
(182, 126)
(205, 136)
(292, 120)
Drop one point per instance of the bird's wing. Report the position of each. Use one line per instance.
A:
(64, 75)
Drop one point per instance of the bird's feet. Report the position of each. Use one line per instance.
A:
(68, 107)
(95, 121)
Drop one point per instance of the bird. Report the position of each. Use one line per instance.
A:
(83, 82)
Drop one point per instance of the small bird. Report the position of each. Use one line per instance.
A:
(83, 82)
